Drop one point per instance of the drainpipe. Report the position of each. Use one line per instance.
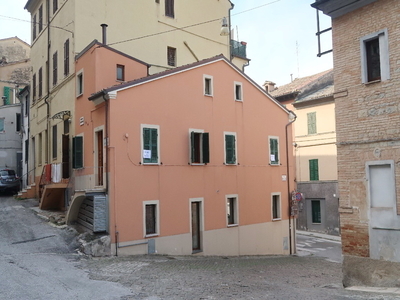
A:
(48, 82)
(292, 118)
(229, 38)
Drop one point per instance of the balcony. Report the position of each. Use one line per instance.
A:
(238, 49)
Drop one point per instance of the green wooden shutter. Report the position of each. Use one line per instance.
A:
(274, 151)
(313, 166)
(1, 124)
(312, 123)
(192, 148)
(206, 148)
(7, 93)
(150, 138)
(77, 146)
(230, 149)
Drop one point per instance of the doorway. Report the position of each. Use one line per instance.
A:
(99, 158)
(196, 226)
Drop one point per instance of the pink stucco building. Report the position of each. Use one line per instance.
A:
(192, 160)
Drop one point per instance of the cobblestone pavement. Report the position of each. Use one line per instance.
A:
(196, 277)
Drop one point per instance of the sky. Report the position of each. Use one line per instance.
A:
(280, 36)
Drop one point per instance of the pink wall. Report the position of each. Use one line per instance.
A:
(177, 103)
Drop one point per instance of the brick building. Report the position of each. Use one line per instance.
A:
(366, 57)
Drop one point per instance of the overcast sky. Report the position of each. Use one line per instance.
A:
(280, 36)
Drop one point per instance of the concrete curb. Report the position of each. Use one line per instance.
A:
(380, 290)
(320, 235)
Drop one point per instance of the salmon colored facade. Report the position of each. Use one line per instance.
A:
(164, 195)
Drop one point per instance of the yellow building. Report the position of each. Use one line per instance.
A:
(311, 98)
(161, 33)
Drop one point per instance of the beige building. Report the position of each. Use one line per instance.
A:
(366, 54)
(162, 33)
(311, 98)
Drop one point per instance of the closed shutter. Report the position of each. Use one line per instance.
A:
(77, 146)
(230, 149)
(7, 95)
(150, 140)
(206, 148)
(313, 166)
(312, 123)
(273, 143)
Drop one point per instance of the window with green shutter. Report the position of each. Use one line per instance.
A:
(273, 151)
(150, 145)
(312, 122)
(77, 148)
(230, 149)
(7, 95)
(313, 166)
(199, 148)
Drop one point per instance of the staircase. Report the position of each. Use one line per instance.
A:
(28, 192)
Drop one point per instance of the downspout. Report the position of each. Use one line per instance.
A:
(48, 82)
(291, 113)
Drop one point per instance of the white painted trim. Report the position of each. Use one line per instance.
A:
(235, 84)
(279, 208)
(80, 74)
(95, 163)
(142, 126)
(150, 202)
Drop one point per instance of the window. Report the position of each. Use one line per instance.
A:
(169, 8)
(66, 57)
(26, 151)
(208, 85)
(55, 141)
(7, 92)
(276, 206)
(17, 122)
(77, 150)
(313, 167)
(150, 142)
(230, 148)
(274, 151)
(199, 147)
(232, 210)
(34, 86)
(238, 91)
(79, 83)
(316, 211)
(312, 122)
(375, 57)
(34, 28)
(40, 82)
(40, 18)
(55, 68)
(151, 218)
(2, 129)
(171, 56)
(55, 6)
(40, 149)
(120, 72)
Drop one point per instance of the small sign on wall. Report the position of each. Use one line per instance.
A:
(82, 121)
(146, 153)
(284, 177)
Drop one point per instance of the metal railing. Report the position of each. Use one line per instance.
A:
(238, 49)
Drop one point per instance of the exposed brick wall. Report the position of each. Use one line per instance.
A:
(367, 116)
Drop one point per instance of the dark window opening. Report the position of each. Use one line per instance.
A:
(207, 86)
(316, 211)
(55, 69)
(231, 209)
(80, 84)
(55, 6)
(34, 86)
(18, 122)
(66, 57)
(238, 92)
(55, 142)
(40, 82)
(276, 207)
(373, 60)
(171, 53)
(151, 215)
(200, 153)
(40, 18)
(121, 72)
(169, 8)
(34, 28)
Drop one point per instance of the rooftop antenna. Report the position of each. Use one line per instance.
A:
(297, 54)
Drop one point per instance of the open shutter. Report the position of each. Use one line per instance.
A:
(77, 146)
(230, 149)
(154, 146)
(206, 148)
(146, 143)
(192, 148)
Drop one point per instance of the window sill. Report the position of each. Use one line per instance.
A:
(208, 95)
(226, 164)
(274, 165)
(197, 164)
(197, 251)
(80, 95)
(372, 82)
(316, 223)
(232, 225)
(151, 235)
(150, 164)
(238, 100)
(277, 219)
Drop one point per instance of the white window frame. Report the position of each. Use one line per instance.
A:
(79, 83)
(269, 150)
(237, 83)
(190, 147)
(383, 53)
(279, 207)
(205, 78)
(236, 152)
(236, 210)
(142, 126)
(157, 204)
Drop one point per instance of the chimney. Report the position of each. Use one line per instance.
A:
(104, 26)
(269, 86)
